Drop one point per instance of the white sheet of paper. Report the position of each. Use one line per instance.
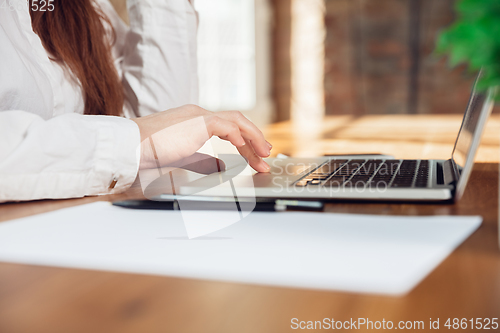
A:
(356, 253)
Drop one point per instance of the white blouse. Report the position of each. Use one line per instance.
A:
(48, 148)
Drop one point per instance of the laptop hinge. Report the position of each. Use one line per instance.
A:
(450, 172)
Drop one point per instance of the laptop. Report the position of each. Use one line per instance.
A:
(356, 178)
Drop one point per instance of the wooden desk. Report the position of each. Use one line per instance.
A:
(465, 285)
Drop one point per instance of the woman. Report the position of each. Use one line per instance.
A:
(69, 74)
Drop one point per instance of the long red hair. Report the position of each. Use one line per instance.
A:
(75, 36)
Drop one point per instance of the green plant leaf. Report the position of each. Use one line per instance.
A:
(474, 39)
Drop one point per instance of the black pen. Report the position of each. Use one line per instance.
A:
(171, 202)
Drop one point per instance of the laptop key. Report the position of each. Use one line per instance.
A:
(405, 174)
(329, 168)
(335, 181)
(380, 184)
(388, 169)
(319, 177)
(422, 174)
(356, 184)
(369, 167)
(348, 184)
(348, 169)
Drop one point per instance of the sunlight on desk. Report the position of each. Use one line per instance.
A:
(404, 136)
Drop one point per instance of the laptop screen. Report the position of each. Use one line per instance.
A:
(469, 127)
(469, 136)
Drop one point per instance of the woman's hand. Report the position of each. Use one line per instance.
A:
(175, 135)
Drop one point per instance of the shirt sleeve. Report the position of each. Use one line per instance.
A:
(67, 156)
(156, 55)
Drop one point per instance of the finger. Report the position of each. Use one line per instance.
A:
(254, 160)
(225, 129)
(200, 163)
(249, 131)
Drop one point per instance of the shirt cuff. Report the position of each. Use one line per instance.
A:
(117, 155)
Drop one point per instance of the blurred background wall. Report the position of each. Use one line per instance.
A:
(302, 59)
(379, 58)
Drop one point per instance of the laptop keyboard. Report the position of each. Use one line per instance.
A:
(369, 173)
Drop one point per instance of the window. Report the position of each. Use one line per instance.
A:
(226, 54)
(233, 56)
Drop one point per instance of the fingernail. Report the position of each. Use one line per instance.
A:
(270, 145)
(266, 166)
